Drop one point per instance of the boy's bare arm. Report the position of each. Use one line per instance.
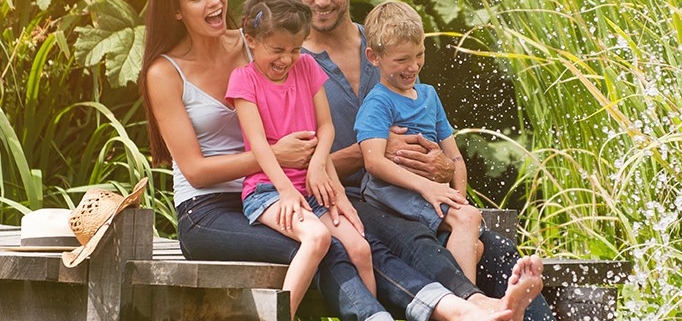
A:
(459, 178)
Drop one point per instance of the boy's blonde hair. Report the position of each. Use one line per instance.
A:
(392, 23)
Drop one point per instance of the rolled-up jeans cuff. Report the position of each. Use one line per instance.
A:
(425, 301)
(380, 316)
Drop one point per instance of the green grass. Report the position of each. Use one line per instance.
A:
(599, 90)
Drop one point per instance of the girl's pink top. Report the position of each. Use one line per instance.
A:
(284, 108)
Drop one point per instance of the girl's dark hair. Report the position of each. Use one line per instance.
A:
(263, 17)
(162, 32)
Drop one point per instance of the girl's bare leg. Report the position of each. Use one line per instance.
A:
(358, 249)
(314, 239)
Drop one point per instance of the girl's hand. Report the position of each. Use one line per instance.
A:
(291, 203)
(344, 207)
(319, 183)
(295, 150)
(436, 194)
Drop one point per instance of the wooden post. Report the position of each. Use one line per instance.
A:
(129, 238)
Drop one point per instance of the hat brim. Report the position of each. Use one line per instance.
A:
(19, 248)
(79, 254)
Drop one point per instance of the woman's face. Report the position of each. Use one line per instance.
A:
(204, 17)
(275, 54)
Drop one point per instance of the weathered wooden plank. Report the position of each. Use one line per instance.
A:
(9, 227)
(22, 266)
(129, 238)
(558, 272)
(33, 300)
(582, 303)
(157, 303)
(205, 274)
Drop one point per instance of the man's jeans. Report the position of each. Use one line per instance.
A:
(212, 227)
(415, 244)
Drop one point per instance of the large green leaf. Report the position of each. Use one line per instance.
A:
(447, 9)
(116, 36)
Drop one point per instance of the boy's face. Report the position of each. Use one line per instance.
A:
(399, 65)
(275, 54)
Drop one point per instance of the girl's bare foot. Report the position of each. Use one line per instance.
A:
(525, 284)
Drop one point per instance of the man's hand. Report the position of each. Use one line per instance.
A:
(296, 149)
(419, 155)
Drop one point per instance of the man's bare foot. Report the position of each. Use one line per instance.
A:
(525, 284)
(479, 314)
(453, 308)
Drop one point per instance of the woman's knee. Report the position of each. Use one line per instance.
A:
(467, 216)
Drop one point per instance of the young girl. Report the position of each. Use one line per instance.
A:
(281, 92)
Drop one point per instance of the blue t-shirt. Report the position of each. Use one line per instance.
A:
(383, 108)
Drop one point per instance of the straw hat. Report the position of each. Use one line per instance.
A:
(93, 216)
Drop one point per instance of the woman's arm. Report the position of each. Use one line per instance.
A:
(165, 91)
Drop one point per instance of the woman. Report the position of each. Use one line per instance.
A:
(189, 55)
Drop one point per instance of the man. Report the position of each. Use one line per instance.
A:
(339, 45)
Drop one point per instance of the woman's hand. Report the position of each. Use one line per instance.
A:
(419, 155)
(291, 203)
(295, 150)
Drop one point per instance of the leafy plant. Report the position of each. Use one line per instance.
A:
(600, 87)
(70, 122)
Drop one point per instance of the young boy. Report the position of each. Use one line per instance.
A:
(395, 44)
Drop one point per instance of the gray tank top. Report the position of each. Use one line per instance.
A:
(218, 132)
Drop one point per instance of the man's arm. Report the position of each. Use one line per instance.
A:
(347, 161)
(419, 155)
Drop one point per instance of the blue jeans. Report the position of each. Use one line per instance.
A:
(414, 243)
(212, 227)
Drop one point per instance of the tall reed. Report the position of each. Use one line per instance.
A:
(65, 128)
(599, 90)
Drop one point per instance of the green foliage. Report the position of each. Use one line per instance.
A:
(64, 127)
(117, 33)
(600, 87)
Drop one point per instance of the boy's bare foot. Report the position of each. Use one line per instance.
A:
(525, 284)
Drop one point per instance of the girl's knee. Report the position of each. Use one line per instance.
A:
(317, 237)
(359, 250)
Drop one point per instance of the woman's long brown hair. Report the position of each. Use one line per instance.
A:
(163, 32)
